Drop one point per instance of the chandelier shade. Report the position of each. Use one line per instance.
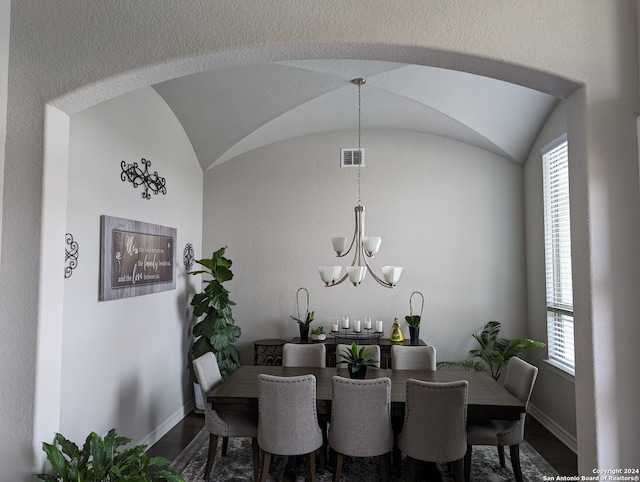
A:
(363, 246)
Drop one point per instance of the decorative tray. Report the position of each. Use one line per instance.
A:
(351, 335)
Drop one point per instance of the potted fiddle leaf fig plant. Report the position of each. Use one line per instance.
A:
(305, 321)
(414, 320)
(494, 352)
(358, 358)
(217, 331)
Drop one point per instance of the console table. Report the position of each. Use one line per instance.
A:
(385, 347)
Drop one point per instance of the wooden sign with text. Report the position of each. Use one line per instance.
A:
(137, 258)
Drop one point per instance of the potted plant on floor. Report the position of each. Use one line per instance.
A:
(101, 460)
(494, 352)
(303, 322)
(217, 331)
(358, 358)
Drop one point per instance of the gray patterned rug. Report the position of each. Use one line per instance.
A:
(236, 466)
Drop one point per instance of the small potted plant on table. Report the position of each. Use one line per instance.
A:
(414, 320)
(358, 358)
(317, 333)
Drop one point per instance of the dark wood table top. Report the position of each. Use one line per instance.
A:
(486, 398)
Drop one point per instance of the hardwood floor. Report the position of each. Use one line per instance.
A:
(555, 452)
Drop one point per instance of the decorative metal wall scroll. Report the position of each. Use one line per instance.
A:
(188, 256)
(136, 176)
(70, 255)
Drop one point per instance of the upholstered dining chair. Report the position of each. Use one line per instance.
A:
(413, 357)
(361, 421)
(223, 424)
(304, 355)
(288, 420)
(435, 420)
(519, 381)
(341, 347)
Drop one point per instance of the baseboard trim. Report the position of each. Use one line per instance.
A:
(171, 422)
(556, 430)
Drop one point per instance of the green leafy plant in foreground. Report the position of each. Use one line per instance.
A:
(100, 460)
(217, 331)
(494, 352)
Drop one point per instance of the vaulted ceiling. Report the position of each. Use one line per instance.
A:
(230, 111)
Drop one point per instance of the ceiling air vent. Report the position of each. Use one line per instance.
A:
(352, 157)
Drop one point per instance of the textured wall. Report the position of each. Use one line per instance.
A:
(75, 54)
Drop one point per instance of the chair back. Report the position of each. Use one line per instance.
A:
(287, 415)
(361, 417)
(304, 355)
(404, 357)
(209, 376)
(519, 381)
(341, 347)
(435, 421)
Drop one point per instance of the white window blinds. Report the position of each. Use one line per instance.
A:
(558, 255)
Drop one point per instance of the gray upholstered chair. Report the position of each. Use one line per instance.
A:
(223, 424)
(361, 421)
(288, 419)
(435, 425)
(404, 357)
(304, 355)
(340, 348)
(520, 378)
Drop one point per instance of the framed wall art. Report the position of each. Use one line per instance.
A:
(136, 258)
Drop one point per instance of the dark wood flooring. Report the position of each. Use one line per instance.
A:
(555, 452)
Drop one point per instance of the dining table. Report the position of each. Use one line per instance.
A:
(486, 399)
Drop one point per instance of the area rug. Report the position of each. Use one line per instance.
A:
(236, 465)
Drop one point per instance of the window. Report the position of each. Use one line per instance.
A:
(558, 255)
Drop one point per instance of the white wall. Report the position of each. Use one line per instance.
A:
(124, 361)
(452, 215)
(553, 400)
(5, 16)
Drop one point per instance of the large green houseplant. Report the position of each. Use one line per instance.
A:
(217, 331)
(101, 460)
(494, 352)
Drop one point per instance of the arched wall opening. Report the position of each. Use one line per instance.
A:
(59, 110)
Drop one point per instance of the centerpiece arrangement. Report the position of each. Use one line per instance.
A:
(358, 358)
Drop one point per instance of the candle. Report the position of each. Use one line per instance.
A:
(367, 323)
(334, 326)
(379, 326)
(356, 326)
(345, 322)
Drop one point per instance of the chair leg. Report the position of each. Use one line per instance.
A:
(410, 470)
(311, 466)
(458, 470)
(225, 445)
(467, 463)
(501, 455)
(266, 460)
(384, 464)
(255, 456)
(211, 456)
(514, 451)
(337, 465)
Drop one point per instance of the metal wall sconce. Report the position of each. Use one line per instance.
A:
(70, 255)
(188, 256)
(136, 176)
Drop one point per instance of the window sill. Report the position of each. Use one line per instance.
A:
(561, 370)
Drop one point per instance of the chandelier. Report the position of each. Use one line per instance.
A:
(363, 246)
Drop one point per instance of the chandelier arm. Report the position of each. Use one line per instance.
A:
(375, 277)
(353, 240)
